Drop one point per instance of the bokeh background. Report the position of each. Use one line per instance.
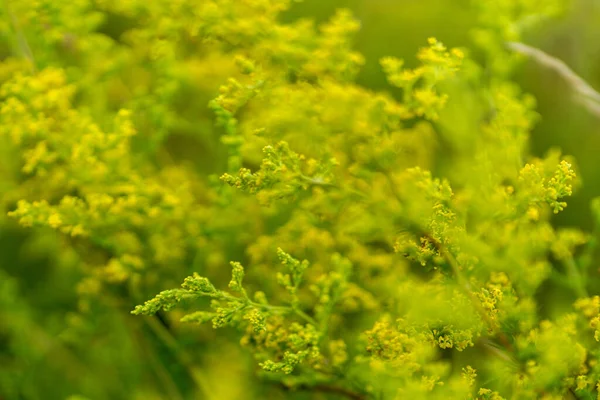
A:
(38, 297)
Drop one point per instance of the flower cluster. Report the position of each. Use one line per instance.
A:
(391, 245)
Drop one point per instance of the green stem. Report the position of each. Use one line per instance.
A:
(21, 41)
(165, 336)
(162, 374)
(586, 258)
(316, 182)
(575, 277)
(313, 181)
(457, 271)
(281, 309)
(334, 390)
(465, 286)
(304, 316)
(285, 310)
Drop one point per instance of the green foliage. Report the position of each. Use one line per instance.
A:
(416, 224)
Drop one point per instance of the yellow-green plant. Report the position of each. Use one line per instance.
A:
(357, 244)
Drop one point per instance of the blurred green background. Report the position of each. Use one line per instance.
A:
(389, 28)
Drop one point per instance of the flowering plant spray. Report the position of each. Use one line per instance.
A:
(343, 242)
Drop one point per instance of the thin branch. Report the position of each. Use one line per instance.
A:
(457, 271)
(183, 358)
(325, 388)
(341, 391)
(586, 95)
(577, 280)
(281, 309)
(170, 387)
(21, 41)
(466, 287)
